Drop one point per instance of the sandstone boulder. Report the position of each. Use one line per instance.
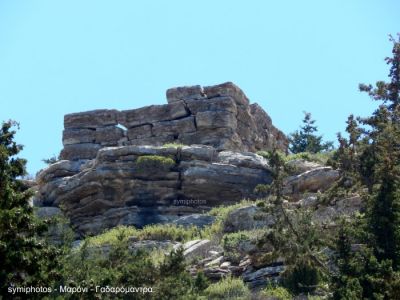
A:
(314, 180)
(62, 168)
(196, 248)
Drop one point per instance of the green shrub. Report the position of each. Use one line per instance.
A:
(150, 232)
(173, 145)
(228, 288)
(111, 237)
(277, 292)
(236, 244)
(231, 242)
(154, 162)
(169, 232)
(221, 212)
(321, 157)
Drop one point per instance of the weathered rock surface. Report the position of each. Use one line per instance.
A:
(314, 180)
(344, 207)
(151, 245)
(198, 220)
(48, 212)
(196, 248)
(299, 166)
(219, 116)
(264, 272)
(247, 218)
(114, 189)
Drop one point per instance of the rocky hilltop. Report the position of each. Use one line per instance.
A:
(112, 174)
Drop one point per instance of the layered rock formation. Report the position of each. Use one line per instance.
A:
(220, 116)
(139, 185)
(114, 169)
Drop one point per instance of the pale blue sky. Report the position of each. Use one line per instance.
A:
(58, 57)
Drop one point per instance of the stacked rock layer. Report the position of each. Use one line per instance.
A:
(219, 116)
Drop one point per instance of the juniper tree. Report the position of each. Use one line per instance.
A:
(25, 259)
(293, 235)
(373, 270)
(384, 134)
(306, 139)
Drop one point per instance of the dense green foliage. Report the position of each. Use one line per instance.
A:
(120, 267)
(371, 157)
(25, 258)
(306, 139)
(277, 292)
(294, 237)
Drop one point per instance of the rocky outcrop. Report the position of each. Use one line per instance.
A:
(313, 180)
(219, 116)
(116, 168)
(139, 185)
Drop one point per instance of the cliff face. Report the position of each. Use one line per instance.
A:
(218, 116)
(110, 176)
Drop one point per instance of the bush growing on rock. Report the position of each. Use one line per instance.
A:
(154, 162)
(173, 145)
